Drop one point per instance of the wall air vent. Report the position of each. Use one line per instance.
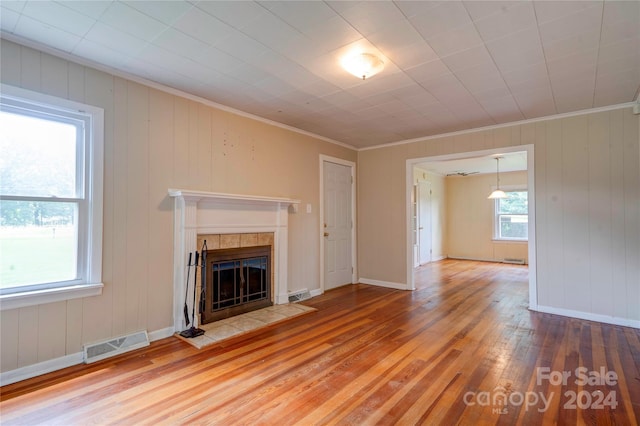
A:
(514, 261)
(101, 350)
(299, 295)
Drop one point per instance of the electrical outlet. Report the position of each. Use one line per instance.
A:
(308, 208)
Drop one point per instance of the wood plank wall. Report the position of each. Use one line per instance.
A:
(587, 195)
(155, 141)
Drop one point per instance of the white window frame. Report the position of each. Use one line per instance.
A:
(496, 215)
(89, 282)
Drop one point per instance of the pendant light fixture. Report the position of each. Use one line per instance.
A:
(498, 193)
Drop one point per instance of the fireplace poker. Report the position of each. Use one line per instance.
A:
(203, 275)
(186, 292)
(193, 331)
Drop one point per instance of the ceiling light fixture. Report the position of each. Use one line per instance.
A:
(363, 65)
(498, 193)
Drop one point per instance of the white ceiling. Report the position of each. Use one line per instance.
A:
(449, 65)
(509, 162)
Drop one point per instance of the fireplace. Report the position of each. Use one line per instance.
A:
(237, 280)
(240, 221)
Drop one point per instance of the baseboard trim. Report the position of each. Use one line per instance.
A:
(388, 284)
(477, 259)
(44, 367)
(606, 319)
(315, 292)
(161, 334)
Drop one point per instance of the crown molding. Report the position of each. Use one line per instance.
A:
(158, 86)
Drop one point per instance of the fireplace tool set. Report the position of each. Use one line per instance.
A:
(193, 331)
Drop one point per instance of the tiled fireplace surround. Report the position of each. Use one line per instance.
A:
(227, 221)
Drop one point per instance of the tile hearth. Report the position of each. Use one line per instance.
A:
(218, 331)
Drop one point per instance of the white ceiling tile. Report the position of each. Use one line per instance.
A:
(15, 5)
(91, 8)
(164, 11)
(620, 49)
(234, 13)
(203, 27)
(585, 21)
(551, 10)
(332, 33)
(502, 110)
(518, 50)
(535, 72)
(490, 94)
(411, 7)
(409, 55)
(38, 31)
(369, 17)
(529, 85)
(570, 45)
(428, 71)
(133, 22)
(269, 30)
(8, 19)
(577, 66)
(536, 103)
(221, 61)
(514, 19)
(616, 66)
(399, 34)
(241, 46)
(615, 89)
(443, 18)
(479, 9)
(481, 77)
(116, 40)
(445, 87)
(181, 44)
(100, 53)
(440, 74)
(419, 98)
(456, 40)
(477, 55)
(621, 11)
(620, 21)
(300, 14)
(56, 15)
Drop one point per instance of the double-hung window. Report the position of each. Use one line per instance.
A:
(511, 216)
(50, 198)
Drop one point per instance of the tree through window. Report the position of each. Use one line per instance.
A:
(512, 220)
(50, 178)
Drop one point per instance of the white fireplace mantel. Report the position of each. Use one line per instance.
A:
(200, 212)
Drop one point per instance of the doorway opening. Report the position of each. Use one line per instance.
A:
(413, 223)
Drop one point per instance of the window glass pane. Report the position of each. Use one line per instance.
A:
(37, 242)
(515, 203)
(37, 156)
(514, 226)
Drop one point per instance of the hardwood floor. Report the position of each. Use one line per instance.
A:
(443, 354)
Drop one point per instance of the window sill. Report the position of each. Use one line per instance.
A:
(40, 297)
(496, 240)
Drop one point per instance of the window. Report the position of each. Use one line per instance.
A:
(50, 198)
(511, 218)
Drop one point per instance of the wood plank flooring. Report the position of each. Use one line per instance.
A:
(462, 349)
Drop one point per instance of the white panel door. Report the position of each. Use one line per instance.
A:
(337, 225)
(424, 221)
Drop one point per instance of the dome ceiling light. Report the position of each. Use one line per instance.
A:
(363, 65)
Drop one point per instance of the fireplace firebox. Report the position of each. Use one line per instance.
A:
(237, 280)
